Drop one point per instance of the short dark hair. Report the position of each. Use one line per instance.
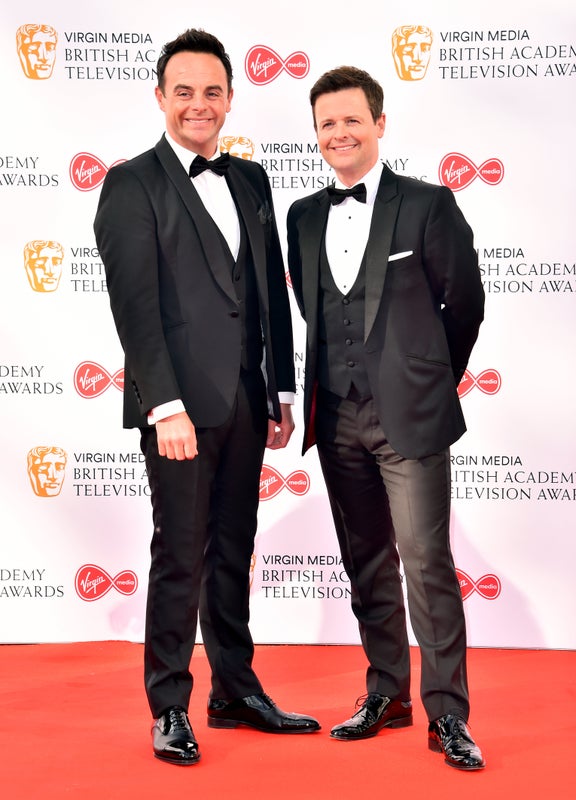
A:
(349, 78)
(194, 40)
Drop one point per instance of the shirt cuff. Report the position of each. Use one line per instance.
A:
(165, 410)
(286, 397)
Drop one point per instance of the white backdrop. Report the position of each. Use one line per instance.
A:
(493, 116)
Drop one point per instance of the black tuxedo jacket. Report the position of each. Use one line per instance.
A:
(171, 291)
(424, 303)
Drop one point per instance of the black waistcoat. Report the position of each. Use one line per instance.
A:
(341, 334)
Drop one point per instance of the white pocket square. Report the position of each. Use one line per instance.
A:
(396, 256)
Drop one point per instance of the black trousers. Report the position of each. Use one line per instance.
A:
(389, 511)
(205, 517)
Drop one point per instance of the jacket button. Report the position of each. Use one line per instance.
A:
(234, 313)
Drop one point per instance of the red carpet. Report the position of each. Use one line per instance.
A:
(75, 724)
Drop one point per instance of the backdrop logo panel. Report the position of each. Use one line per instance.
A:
(91, 379)
(87, 172)
(488, 586)
(488, 381)
(411, 50)
(263, 65)
(457, 171)
(27, 583)
(47, 470)
(36, 46)
(239, 146)
(92, 582)
(43, 264)
(272, 482)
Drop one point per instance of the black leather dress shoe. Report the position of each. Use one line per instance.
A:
(260, 712)
(377, 712)
(450, 735)
(174, 739)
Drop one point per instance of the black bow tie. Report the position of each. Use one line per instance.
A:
(218, 165)
(336, 196)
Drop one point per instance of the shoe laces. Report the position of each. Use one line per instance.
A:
(178, 719)
(361, 700)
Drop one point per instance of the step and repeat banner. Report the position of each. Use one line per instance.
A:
(480, 98)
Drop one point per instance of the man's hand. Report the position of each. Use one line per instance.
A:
(177, 437)
(279, 433)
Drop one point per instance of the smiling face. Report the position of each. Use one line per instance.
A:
(195, 99)
(347, 133)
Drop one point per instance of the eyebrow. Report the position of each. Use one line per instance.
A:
(191, 88)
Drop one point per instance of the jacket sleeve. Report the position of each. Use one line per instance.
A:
(294, 259)
(451, 263)
(125, 229)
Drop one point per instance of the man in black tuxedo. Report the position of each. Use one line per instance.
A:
(386, 276)
(198, 293)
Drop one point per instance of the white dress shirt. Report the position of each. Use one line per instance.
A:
(348, 229)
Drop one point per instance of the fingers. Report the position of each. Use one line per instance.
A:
(177, 437)
(279, 433)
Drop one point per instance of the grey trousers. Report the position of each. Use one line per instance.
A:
(391, 512)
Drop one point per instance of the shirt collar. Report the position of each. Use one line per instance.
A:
(185, 156)
(371, 180)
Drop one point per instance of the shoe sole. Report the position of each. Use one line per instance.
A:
(398, 722)
(182, 763)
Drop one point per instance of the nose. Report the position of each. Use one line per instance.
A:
(340, 131)
(198, 102)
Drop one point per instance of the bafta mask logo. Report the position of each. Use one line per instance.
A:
(43, 264)
(46, 470)
(36, 45)
(239, 146)
(411, 48)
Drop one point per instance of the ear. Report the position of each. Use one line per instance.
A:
(381, 125)
(159, 97)
(229, 101)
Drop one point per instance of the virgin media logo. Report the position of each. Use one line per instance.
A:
(91, 380)
(87, 172)
(92, 582)
(272, 482)
(488, 586)
(263, 65)
(489, 382)
(457, 171)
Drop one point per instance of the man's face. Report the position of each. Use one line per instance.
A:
(44, 269)
(195, 100)
(47, 474)
(39, 55)
(347, 134)
(413, 55)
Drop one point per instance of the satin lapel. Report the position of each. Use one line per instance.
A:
(378, 248)
(201, 219)
(311, 238)
(248, 204)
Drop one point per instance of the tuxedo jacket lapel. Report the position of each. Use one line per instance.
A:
(200, 218)
(378, 248)
(313, 233)
(248, 205)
